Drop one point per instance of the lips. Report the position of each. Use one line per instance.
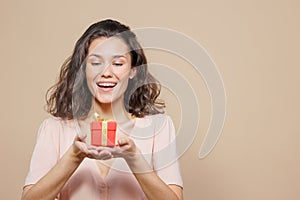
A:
(106, 86)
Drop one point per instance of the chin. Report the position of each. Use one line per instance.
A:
(104, 101)
(108, 98)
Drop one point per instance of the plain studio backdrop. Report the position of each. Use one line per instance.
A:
(254, 43)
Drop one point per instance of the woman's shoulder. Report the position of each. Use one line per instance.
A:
(147, 118)
(56, 130)
(160, 116)
(157, 120)
(57, 121)
(52, 123)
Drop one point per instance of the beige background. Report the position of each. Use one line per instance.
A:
(255, 44)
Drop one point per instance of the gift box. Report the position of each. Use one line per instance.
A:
(103, 133)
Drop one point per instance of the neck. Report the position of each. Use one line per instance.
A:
(105, 110)
(115, 111)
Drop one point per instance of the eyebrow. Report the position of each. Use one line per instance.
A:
(115, 56)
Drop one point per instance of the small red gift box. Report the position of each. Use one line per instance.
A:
(103, 133)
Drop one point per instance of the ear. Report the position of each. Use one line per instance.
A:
(133, 71)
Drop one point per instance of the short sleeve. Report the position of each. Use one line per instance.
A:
(165, 155)
(46, 151)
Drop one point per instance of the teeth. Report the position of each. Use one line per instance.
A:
(106, 84)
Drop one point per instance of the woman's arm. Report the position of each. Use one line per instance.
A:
(152, 185)
(51, 184)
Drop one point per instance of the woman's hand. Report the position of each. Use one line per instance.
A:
(81, 150)
(125, 148)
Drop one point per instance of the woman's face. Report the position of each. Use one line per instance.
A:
(108, 69)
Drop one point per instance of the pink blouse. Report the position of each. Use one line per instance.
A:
(154, 135)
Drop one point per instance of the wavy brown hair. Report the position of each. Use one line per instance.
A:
(70, 97)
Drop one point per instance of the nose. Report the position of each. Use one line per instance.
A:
(107, 72)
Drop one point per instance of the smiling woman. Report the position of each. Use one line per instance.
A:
(108, 69)
(106, 74)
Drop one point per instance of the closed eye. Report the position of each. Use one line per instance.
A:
(118, 64)
(95, 63)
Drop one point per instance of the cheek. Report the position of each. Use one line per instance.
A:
(123, 82)
(122, 73)
(89, 80)
(90, 74)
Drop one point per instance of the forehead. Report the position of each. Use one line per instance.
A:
(108, 47)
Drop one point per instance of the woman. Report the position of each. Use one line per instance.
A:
(106, 74)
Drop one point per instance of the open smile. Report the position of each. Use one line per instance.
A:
(106, 86)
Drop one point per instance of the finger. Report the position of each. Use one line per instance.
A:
(88, 153)
(81, 138)
(101, 148)
(123, 141)
(94, 154)
(107, 157)
(103, 155)
(111, 150)
(91, 147)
